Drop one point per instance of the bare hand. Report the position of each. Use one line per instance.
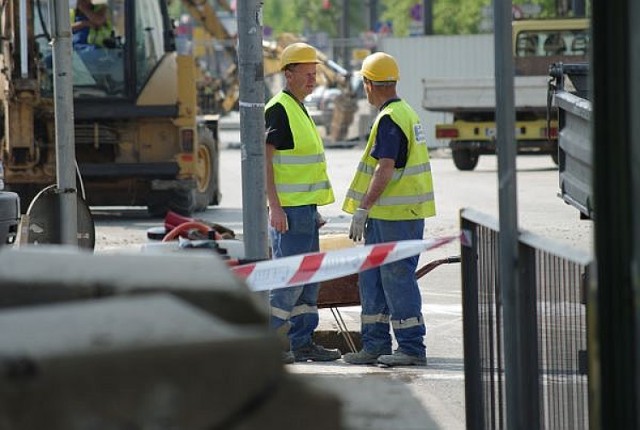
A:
(278, 219)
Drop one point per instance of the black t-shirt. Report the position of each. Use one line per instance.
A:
(277, 126)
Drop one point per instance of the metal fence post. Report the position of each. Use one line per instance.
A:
(470, 327)
(527, 337)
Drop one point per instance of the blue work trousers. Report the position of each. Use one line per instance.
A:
(390, 294)
(297, 306)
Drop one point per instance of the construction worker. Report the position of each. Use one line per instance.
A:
(91, 25)
(389, 197)
(297, 183)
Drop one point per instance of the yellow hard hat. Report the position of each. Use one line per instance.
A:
(380, 67)
(298, 53)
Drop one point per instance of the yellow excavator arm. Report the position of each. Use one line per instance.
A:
(330, 73)
(205, 15)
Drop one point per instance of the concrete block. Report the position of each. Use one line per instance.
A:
(151, 362)
(48, 274)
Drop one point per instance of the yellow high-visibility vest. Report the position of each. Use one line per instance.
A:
(409, 193)
(96, 36)
(300, 174)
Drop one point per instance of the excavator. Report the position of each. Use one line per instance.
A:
(140, 137)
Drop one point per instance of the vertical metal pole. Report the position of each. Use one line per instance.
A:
(527, 327)
(614, 369)
(252, 132)
(579, 8)
(344, 34)
(634, 161)
(474, 411)
(24, 51)
(507, 195)
(65, 138)
(373, 14)
(427, 16)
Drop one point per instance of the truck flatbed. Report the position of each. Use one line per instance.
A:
(479, 94)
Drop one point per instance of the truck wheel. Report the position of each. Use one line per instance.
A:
(179, 201)
(554, 157)
(207, 178)
(465, 159)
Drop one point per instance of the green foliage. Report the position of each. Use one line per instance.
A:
(175, 9)
(280, 15)
(458, 17)
(449, 16)
(301, 16)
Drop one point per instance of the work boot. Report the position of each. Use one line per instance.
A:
(282, 333)
(287, 357)
(315, 352)
(400, 358)
(361, 357)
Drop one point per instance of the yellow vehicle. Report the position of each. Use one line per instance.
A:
(138, 138)
(536, 45)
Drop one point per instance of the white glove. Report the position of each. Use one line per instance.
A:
(356, 231)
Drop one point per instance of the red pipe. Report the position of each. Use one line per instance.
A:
(190, 225)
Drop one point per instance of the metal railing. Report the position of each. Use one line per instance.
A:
(552, 282)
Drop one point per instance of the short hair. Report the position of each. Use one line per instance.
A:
(380, 83)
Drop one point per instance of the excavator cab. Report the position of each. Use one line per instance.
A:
(119, 66)
(138, 138)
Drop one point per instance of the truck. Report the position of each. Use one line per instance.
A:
(537, 44)
(138, 137)
(571, 107)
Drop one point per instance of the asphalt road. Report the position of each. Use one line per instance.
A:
(404, 399)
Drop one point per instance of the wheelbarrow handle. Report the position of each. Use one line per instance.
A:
(435, 263)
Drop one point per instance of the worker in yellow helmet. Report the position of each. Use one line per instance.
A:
(297, 183)
(389, 197)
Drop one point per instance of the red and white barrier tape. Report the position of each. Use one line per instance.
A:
(322, 266)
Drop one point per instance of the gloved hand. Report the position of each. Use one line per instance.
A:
(356, 231)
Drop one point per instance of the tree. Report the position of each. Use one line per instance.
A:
(311, 16)
(302, 16)
(450, 16)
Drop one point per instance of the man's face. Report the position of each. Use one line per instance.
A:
(367, 89)
(301, 79)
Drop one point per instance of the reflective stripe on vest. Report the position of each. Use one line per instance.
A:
(393, 201)
(409, 194)
(300, 174)
(397, 173)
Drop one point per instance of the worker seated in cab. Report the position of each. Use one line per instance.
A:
(91, 26)
(95, 43)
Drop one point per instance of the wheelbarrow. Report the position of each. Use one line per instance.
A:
(342, 292)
